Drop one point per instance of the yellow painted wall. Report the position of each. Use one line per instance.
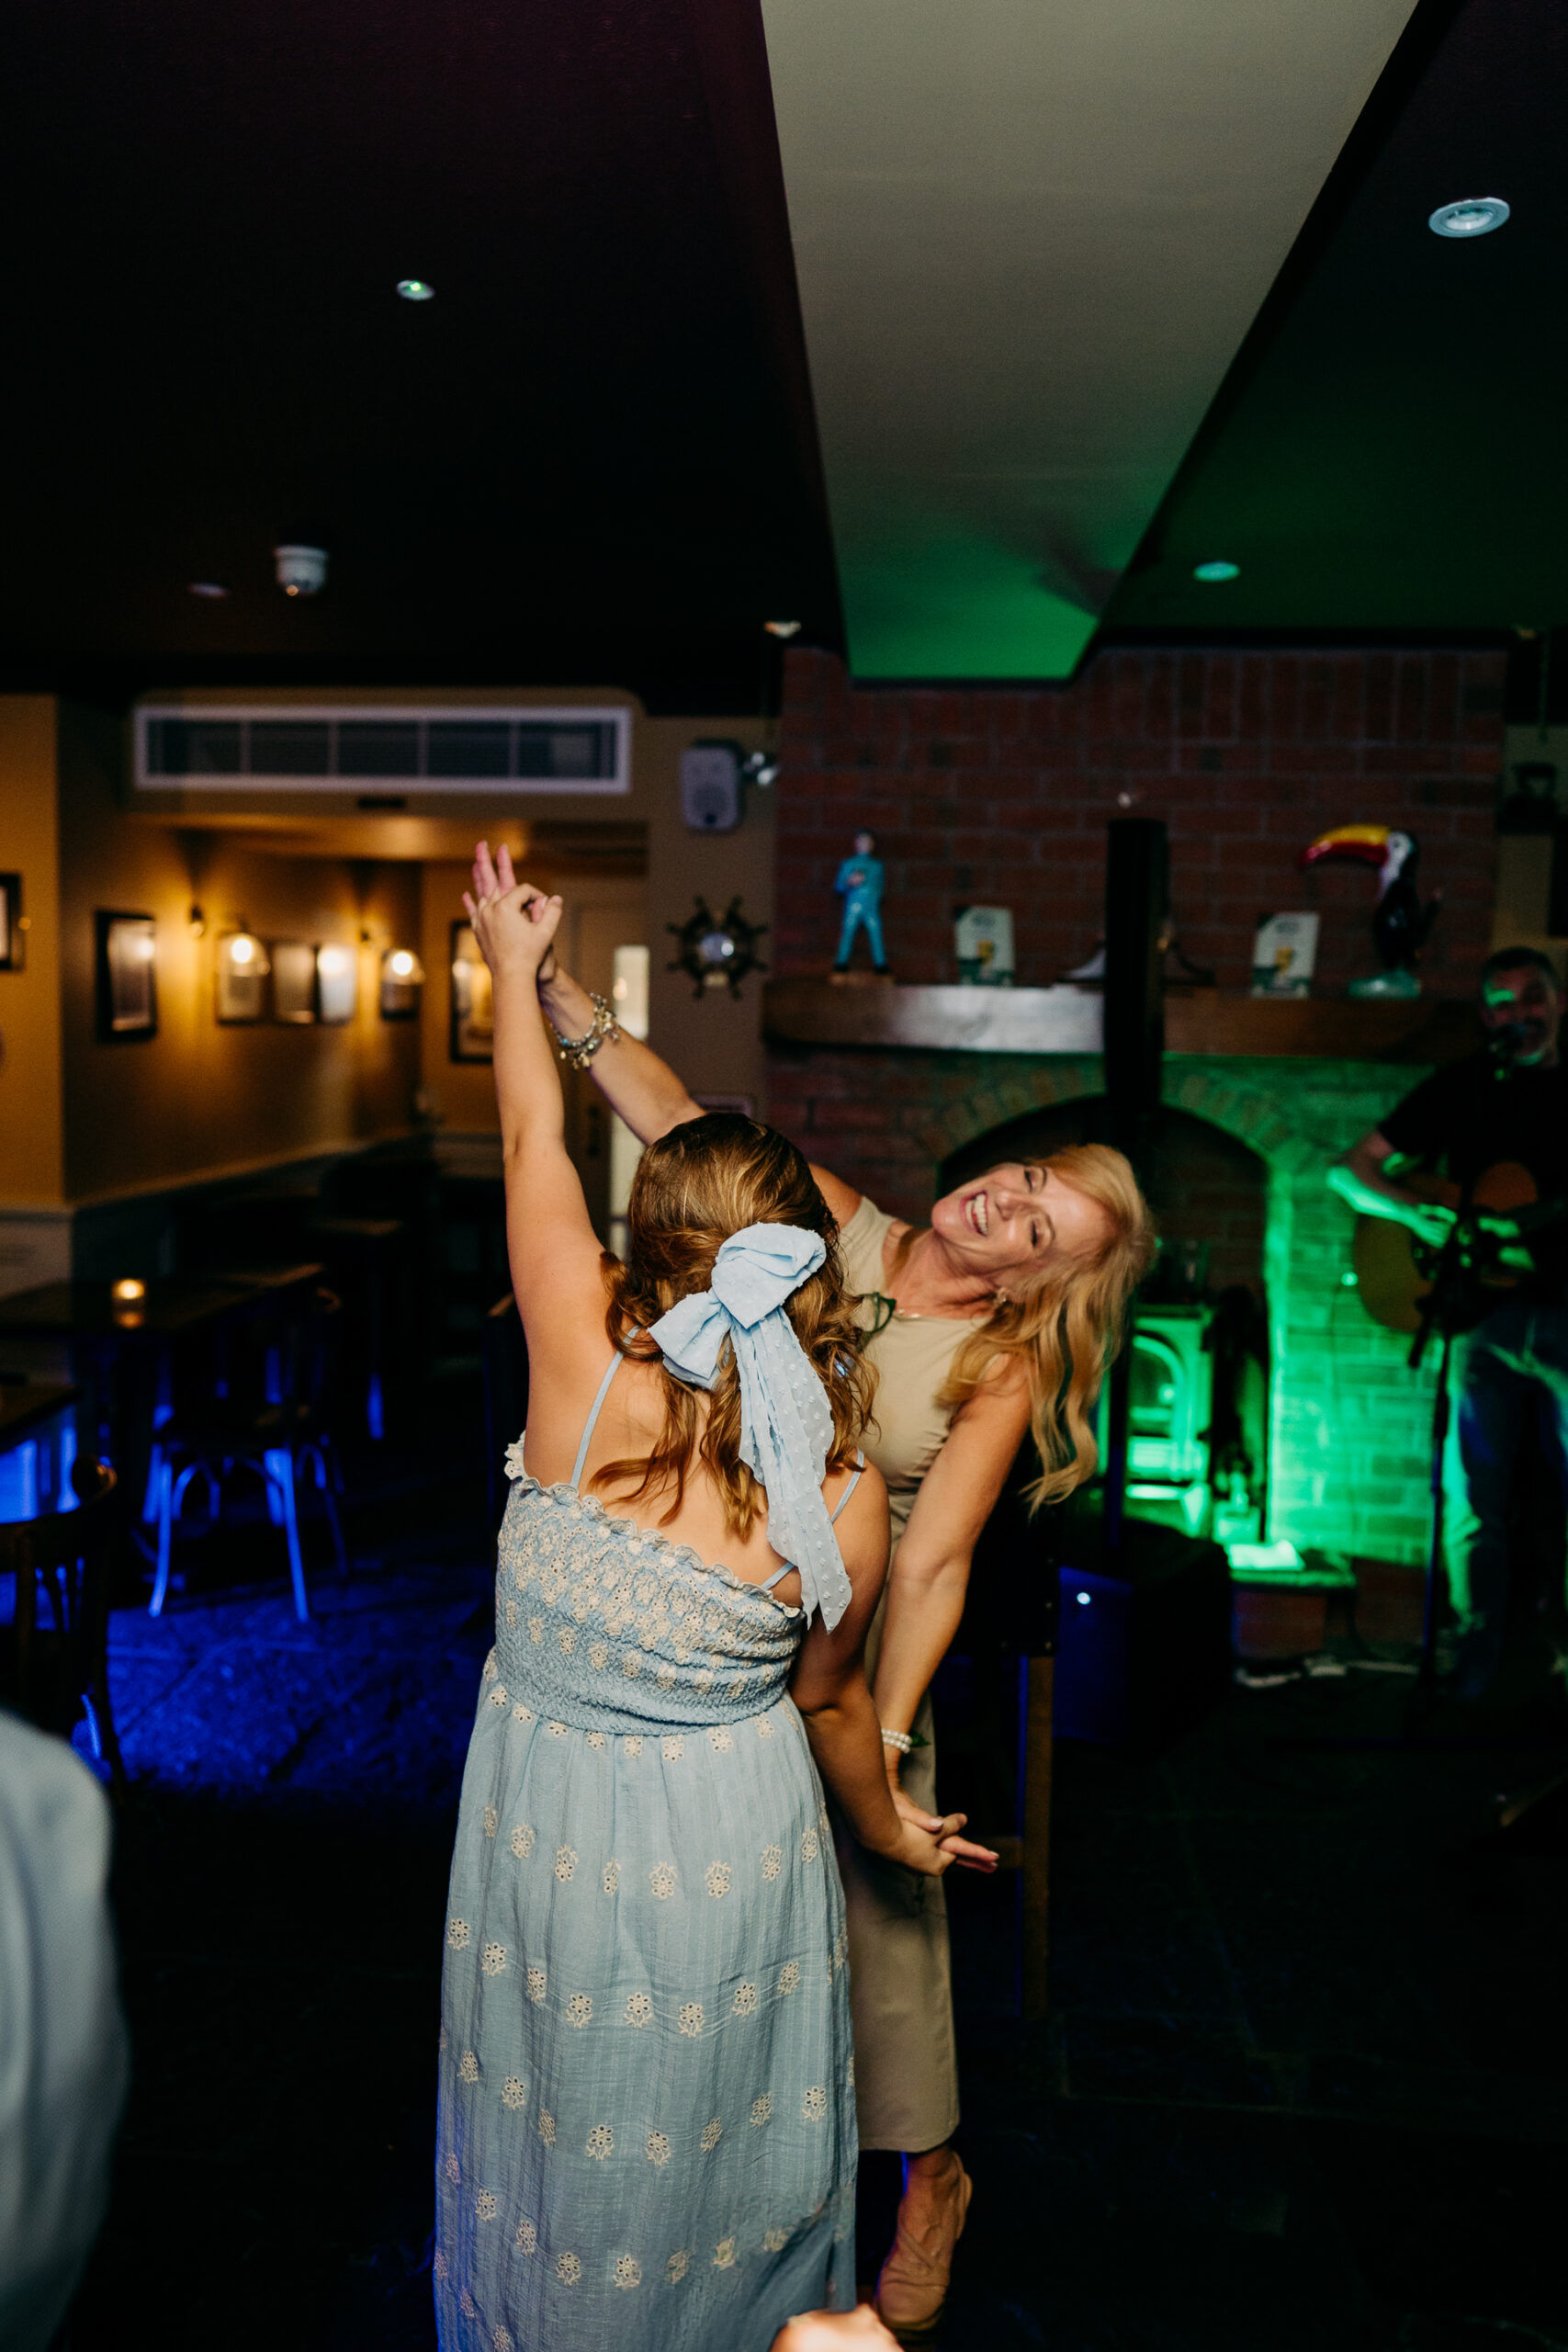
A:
(200, 1098)
(81, 1118)
(32, 1166)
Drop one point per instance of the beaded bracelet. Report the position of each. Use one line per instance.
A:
(898, 1739)
(579, 1051)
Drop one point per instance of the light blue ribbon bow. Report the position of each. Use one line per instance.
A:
(787, 1427)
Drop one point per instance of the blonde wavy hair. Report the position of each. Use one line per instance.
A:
(693, 1188)
(1066, 1325)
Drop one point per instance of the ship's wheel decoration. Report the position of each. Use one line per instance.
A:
(717, 950)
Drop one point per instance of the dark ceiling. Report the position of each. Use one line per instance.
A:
(589, 460)
(1387, 454)
(592, 458)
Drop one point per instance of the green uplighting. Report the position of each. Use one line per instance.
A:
(1218, 569)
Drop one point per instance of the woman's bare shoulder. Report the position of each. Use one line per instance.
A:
(862, 1523)
(563, 1345)
(842, 1199)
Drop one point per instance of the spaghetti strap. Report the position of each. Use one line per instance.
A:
(854, 1482)
(780, 1574)
(593, 1416)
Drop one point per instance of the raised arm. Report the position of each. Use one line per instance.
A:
(633, 1081)
(645, 1090)
(554, 1253)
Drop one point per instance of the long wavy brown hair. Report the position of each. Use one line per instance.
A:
(693, 1188)
(1066, 1325)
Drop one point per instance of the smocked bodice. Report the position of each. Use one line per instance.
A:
(608, 1626)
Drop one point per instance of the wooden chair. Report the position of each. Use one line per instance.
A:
(54, 1661)
(275, 1421)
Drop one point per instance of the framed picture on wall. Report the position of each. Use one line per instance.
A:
(471, 1034)
(12, 935)
(127, 977)
(293, 981)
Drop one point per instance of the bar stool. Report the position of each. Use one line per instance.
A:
(278, 1424)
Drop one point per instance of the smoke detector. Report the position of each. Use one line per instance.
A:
(301, 571)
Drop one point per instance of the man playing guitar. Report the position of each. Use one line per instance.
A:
(1502, 1112)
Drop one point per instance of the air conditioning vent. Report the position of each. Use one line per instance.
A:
(232, 748)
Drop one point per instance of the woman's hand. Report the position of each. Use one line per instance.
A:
(943, 1828)
(515, 925)
(916, 1849)
(495, 880)
(824, 2331)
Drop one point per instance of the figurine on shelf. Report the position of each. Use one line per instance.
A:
(859, 884)
(1400, 923)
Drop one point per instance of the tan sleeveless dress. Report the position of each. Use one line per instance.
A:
(900, 1978)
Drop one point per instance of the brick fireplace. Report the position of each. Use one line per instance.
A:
(1002, 797)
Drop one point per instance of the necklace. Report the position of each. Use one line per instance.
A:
(889, 1311)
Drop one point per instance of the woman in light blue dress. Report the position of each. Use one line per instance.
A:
(646, 2133)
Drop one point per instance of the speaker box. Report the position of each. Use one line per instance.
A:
(1144, 1641)
(710, 787)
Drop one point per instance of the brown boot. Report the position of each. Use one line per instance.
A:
(912, 2288)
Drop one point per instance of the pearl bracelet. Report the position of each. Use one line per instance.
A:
(898, 1739)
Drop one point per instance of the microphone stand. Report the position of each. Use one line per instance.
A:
(1439, 1311)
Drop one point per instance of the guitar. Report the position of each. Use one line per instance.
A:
(1394, 1267)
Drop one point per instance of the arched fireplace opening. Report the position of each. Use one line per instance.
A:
(1198, 1436)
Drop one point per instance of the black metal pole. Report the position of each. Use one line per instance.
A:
(1441, 1409)
(1137, 897)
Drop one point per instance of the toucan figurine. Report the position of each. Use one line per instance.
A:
(1401, 922)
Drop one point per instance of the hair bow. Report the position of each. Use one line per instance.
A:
(786, 1426)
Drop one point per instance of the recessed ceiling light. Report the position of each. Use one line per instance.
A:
(213, 589)
(782, 629)
(1218, 569)
(416, 289)
(1474, 216)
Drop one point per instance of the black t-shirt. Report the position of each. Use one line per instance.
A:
(1465, 1118)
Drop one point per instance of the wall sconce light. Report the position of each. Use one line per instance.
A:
(471, 1033)
(127, 1301)
(243, 967)
(402, 977)
(126, 975)
(337, 984)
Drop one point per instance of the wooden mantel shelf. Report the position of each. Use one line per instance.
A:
(1066, 1020)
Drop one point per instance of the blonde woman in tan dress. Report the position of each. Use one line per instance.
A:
(994, 1321)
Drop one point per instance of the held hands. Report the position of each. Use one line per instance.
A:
(826, 2330)
(930, 1842)
(515, 925)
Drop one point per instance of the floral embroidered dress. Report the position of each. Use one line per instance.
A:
(646, 2130)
